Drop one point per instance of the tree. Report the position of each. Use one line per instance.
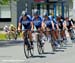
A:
(5, 2)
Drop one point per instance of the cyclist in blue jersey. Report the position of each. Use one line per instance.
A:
(47, 25)
(25, 22)
(37, 21)
(55, 30)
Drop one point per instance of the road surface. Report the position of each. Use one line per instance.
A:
(12, 52)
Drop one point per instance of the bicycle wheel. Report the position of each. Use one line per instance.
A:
(52, 44)
(26, 50)
(32, 52)
(39, 48)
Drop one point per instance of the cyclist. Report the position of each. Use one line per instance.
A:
(25, 25)
(56, 31)
(12, 31)
(70, 26)
(37, 23)
(48, 21)
(6, 30)
(61, 24)
(47, 25)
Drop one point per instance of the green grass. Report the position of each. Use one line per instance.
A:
(2, 36)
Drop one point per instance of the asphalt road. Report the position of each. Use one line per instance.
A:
(12, 52)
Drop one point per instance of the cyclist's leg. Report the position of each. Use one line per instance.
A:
(63, 34)
(48, 34)
(24, 35)
(57, 34)
(54, 35)
(40, 36)
(55, 40)
(30, 37)
(69, 32)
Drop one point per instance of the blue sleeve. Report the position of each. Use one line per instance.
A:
(29, 17)
(20, 19)
(32, 18)
(54, 20)
(50, 17)
(41, 18)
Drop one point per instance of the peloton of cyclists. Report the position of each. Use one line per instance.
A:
(45, 24)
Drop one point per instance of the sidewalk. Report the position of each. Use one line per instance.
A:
(2, 32)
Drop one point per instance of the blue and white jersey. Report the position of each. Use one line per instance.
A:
(51, 18)
(47, 22)
(25, 23)
(28, 18)
(37, 22)
(55, 21)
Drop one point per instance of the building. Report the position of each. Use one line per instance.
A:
(8, 14)
(66, 8)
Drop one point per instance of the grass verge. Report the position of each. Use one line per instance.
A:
(2, 36)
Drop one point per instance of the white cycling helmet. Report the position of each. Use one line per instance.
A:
(24, 13)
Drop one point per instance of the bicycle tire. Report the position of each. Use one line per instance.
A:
(26, 48)
(31, 52)
(39, 48)
(26, 51)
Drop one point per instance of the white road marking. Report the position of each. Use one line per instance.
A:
(12, 60)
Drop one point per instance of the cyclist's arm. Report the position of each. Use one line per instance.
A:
(72, 24)
(32, 26)
(52, 24)
(56, 24)
(19, 26)
(65, 26)
(19, 23)
(43, 25)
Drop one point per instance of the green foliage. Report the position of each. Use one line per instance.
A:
(5, 2)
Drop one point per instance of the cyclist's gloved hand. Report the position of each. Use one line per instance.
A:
(53, 28)
(19, 30)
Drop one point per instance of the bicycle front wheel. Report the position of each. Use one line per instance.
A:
(26, 51)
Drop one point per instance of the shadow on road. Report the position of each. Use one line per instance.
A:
(68, 46)
(38, 56)
(59, 50)
(49, 53)
(62, 48)
(10, 43)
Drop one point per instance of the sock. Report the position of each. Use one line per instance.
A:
(31, 42)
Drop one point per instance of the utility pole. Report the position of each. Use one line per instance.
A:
(47, 1)
(13, 8)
